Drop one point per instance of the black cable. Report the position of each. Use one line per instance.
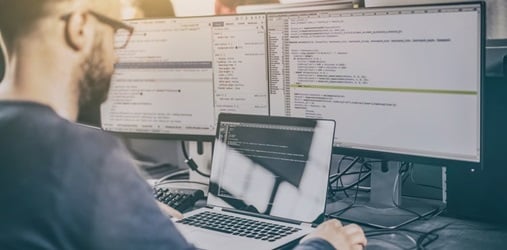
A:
(356, 183)
(184, 150)
(398, 232)
(190, 162)
(424, 236)
(340, 212)
(356, 173)
(344, 191)
(405, 167)
(419, 244)
(337, 176)
(336, 214)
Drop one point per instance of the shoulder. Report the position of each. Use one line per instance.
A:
(96, 151)
(84, 137)
(37, 125)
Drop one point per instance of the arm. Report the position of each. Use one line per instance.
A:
(125, 215)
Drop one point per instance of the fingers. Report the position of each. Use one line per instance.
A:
(327, 230)
(355, 234)
(169, 210)
(352, 228)
(357, 247)
(335, 223)
(350, 237)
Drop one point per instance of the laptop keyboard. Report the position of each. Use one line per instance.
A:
(239, 226)
(180, 199)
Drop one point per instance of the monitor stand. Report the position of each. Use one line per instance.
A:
(385, 208)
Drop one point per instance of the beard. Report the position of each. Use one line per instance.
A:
(94, 85)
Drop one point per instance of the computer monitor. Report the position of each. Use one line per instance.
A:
(402, 83)
(177, 74)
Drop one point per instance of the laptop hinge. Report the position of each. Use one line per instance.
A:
(217, 208)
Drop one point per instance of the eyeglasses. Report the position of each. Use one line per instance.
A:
(122, 32)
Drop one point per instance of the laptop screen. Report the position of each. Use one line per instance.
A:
(275, 166)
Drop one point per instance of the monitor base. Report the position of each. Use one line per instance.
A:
(384, 217)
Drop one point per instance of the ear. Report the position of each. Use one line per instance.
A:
(76, 30)
(3, 58)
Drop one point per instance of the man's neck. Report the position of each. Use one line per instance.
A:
(41, 76)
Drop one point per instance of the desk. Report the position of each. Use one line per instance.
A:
(458, 234)
(455, 234)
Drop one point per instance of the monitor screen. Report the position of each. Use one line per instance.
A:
(176, 75)
(402, 82)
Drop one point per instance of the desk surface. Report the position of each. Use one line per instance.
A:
(453, 234)
(449, 233)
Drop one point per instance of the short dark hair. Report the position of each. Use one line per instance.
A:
(17, 16)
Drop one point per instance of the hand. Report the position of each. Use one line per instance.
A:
(169, 210)
(350, 237)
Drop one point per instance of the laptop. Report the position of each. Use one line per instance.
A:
(268, 183)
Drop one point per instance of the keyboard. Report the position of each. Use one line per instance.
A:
(239, 226)
(178, 198)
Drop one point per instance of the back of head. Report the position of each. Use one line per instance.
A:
(18, 17)
(59, 48)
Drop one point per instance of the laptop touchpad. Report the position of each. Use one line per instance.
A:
(209, 241)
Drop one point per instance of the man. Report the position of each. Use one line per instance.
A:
(63, 186)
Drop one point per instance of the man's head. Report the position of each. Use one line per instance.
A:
(77, 36)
